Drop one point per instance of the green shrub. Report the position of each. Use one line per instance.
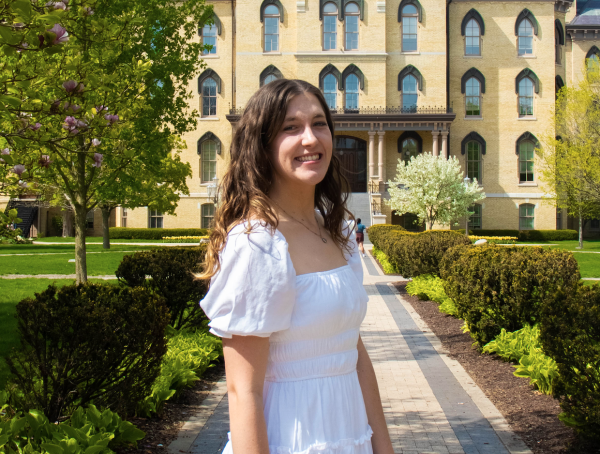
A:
(87, 343)
(523, 346)
(85, 432)
(126, 233)
(495, 287)
(168, 272)
(421, 253)
(428, 287)
(570, 334)
(375, 232)
(188, 356)
(388, 268)
(528, 235)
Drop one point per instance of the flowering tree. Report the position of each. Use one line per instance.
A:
(94, 94)
(432, 188)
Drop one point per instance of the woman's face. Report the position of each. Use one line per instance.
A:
(301, 151)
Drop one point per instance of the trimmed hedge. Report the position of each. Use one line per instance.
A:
(378, 231)
(126, 233)
(168, 272)
(495, 287)
(570, 334)
(528, 235)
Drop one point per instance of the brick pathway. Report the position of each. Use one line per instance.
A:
(430, 403)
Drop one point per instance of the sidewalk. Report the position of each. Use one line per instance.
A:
(430, 403)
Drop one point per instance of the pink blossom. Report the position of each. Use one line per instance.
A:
(111, 119)
(70, 86)
(22, 184)
(73, 125)
(5, 152)
(98, 157)
(88, 11)
(101, 108)
(45, 161)
(96, 142)
(61, 34)
(74, 107)
(19, 169)
(35, 127)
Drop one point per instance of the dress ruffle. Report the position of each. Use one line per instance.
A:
(336, 447)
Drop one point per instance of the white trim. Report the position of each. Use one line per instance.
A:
(301, 6)
(517, 195)
(209, 118)
(381, 6)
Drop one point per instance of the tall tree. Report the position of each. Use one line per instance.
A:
(93, 90)
(569, 159)
(432, 188)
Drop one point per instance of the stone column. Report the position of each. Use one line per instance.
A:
(371, 153)
(436, 148)
(380, 136)
(444, 144)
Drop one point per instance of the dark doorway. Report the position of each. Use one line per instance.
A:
(353, 154)
(409, 221)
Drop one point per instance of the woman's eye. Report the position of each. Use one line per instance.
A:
(321, 123)
(288, 128)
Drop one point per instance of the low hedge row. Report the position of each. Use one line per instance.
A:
(126, 233)
(528, 235)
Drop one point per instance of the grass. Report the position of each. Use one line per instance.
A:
(66, 248)
(14, 291)
(91, 239)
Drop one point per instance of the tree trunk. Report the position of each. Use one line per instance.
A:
(67, 224)
(80, 258)
(106, 210)
(580, 231)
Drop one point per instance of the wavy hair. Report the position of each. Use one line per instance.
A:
(245, 186)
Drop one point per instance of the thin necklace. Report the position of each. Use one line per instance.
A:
(304, 225)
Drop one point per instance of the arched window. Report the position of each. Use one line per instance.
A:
(269, 74)
(525, 37)
(410, 16)
(558, 84)
(330, 12)
(409, 93)
(410, 144)
(526, 216)
(472, 38)
(475, 218)
(351, 85)
(473, 149)
(271, 28)
(330, 90)
(593, 60)
(559, 40)
(209, 38)
(208, 214)
(209, 97)
(352, 15)
(473, 97)
(526, 148)
(208, 160)
(526, 97)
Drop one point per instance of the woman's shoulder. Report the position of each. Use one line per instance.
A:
(254, 234)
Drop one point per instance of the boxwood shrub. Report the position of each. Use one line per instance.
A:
(376, 232)
(126, 233)
(570, 334)
(87, 343)
(528, 235)
(168, 272)
(495, 287)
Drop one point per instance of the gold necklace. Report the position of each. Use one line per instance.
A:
(304, 225)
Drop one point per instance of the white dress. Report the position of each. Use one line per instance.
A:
(313, 402)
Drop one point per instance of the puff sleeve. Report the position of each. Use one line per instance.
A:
(353, 256)
(253, 293)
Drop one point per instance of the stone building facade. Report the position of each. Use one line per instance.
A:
(470, 79)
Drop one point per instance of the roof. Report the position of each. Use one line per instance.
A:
(588, 13)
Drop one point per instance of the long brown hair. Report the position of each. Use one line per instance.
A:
(245, 186)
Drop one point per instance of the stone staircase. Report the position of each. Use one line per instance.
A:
(360, 206)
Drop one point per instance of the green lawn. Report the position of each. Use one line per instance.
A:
(66, 248)
(12, 292)
(589, 264)
(91, 239)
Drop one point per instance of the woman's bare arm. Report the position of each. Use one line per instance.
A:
(368, 384)
(245, 366)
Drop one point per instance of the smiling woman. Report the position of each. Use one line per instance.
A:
(298, 375)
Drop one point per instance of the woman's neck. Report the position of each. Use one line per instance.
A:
(297, 201)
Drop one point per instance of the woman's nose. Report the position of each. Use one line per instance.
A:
(308, 137)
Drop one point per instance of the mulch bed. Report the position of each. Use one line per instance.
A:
(531, 415)
(162, 430)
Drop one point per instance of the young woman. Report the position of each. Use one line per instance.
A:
(360, 236)
(286, 290)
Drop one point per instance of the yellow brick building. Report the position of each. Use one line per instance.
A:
(470, 79)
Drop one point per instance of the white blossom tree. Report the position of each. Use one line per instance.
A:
(432, 188)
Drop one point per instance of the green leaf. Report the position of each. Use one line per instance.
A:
(9, 36)
(94, 449)
(52, 448)
(10, 100)
(23, 7)
(16, 425)
(4, 439)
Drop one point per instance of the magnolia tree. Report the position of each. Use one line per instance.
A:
(432, 188)
(569, 160)
(94, 96)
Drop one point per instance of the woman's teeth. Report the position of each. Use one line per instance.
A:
(312, 157)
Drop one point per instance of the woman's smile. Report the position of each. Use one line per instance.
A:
(311, 158)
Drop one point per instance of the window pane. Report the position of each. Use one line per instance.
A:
(352, 8)
(330, 8)
(525, 33)
(271, 33)
(526, 97)
(593, 63)
(329, 32)
(474, 161)
(352, 92)
(330, 90)
(208, 213)
(351, 32)
(409, 34)
(270, 78)
(410, 148)
(475, 219)
(526, 161)
(272, 9)
(409, 9)
(409, 93)
(209, 160)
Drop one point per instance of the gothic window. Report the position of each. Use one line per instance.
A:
(525, 37)
(351, 88)
(330, 13)
(409, 93)
(209, 38)
(352, 16)
(526, 86)
(526, 148)
(271, 28)
(330, 90)
(410, 17)
(474, 160)
(472, 38)
(209, 97)
(473, 97)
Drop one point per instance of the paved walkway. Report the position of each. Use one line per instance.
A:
(430, 402)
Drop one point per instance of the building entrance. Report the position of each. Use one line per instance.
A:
(353, 154)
